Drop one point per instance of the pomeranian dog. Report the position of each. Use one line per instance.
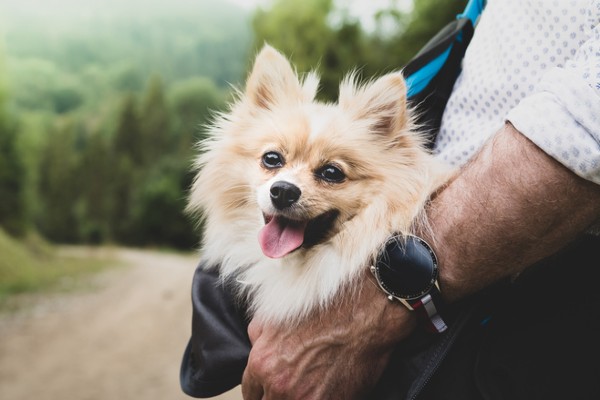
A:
(299, 196)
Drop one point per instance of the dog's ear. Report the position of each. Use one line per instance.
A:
(381, 102)
(272, 80)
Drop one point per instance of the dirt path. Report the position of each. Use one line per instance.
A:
(122, 340)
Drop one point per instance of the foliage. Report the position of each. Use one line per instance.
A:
(159, 200)
(156, 140)
(304, 32)
(96, 203)
(13, 203)
(426, 18)
(193, 103)
(128, 135)
(105, 113)
(60, 183)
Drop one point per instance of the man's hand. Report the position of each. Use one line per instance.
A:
(339, 353)
(510, 207)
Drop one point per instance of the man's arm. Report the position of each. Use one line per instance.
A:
(508, 208)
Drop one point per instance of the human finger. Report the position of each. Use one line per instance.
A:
(251, 389)
(255, 329)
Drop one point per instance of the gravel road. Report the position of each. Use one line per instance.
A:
(120, 338)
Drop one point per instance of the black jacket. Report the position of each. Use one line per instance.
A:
(534, 338)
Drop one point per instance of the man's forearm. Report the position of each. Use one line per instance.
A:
(511, 206)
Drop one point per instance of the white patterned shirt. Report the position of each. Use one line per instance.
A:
(537, 65)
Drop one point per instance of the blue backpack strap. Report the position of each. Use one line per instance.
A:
(431, 74)
(419, 79)
(473, 10)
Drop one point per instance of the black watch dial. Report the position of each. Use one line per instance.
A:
(407, 267)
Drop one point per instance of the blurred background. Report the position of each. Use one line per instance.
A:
(101, 102)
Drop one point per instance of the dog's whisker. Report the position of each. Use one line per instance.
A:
(242, 282)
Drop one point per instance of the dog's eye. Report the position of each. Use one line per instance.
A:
(272, 159)
(331, 173)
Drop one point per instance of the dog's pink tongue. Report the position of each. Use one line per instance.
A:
(280, 237)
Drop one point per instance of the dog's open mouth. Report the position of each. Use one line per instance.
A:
(280, 235)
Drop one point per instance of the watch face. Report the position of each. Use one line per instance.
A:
(407, 268)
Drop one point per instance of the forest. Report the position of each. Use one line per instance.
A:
(101, 103)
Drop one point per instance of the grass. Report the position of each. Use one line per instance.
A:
(32, 265)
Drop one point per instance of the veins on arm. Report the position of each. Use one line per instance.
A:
(510, 207)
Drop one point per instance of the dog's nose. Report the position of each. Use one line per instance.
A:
(284, 194)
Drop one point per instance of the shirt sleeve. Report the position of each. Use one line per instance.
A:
(216, 355)
(563, 116)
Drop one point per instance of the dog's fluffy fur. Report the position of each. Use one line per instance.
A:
(368, 136)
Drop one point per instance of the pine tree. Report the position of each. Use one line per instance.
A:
(13, 205)
(156, 140)
(126, 167)
(192, 103)
(128, 136)
(97, 176)
(59, 185)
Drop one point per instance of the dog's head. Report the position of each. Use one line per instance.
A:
(296, 170)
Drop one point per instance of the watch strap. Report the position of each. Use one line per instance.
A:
(428, 310)
(406, 270)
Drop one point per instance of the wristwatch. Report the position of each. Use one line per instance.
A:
(406, 269)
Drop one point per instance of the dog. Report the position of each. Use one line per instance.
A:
(298, 196)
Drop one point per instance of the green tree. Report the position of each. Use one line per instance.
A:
(192, 103)
(156, 139)
(126, 77)
(416, 29)
(149, 169)
(158, 204)
(59, 186)
(306, 32)
(96, 174)
(128, 135)
(126, 163)
(124, 180)
(65, 99)
(302, 31)
(14, 213)
(14, 216)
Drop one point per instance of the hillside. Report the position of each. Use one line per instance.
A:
(62, 54)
